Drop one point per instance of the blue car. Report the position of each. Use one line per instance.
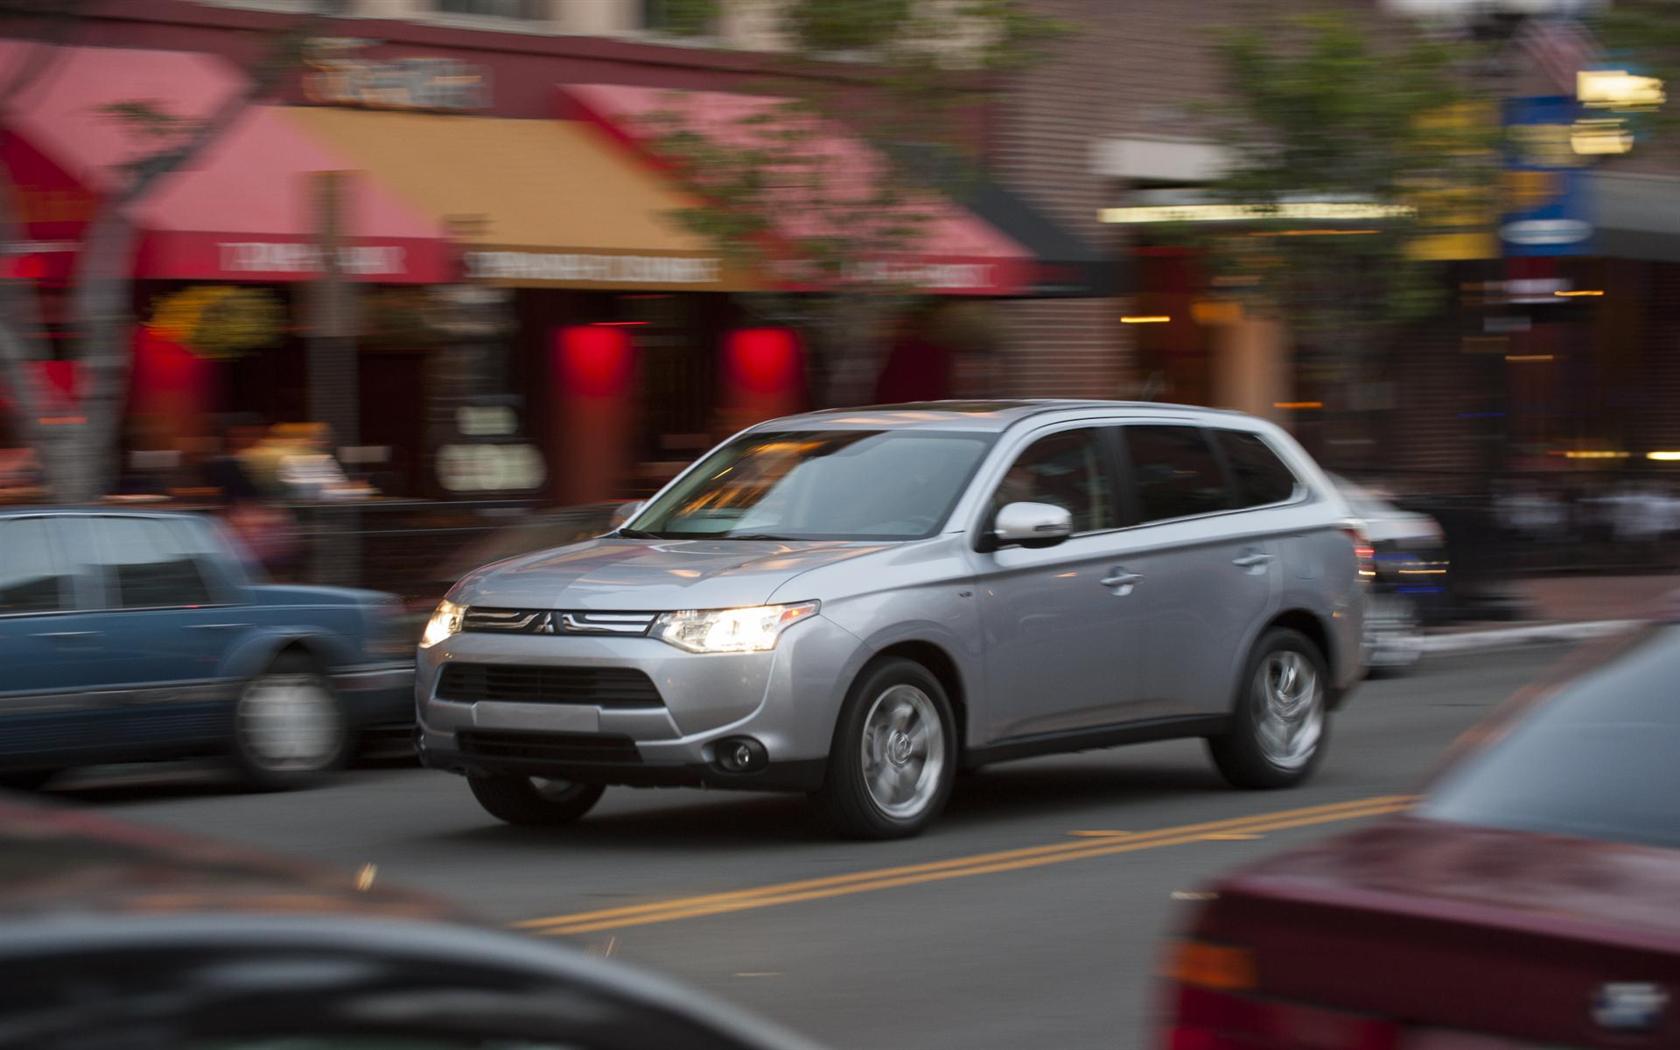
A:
(129, 636)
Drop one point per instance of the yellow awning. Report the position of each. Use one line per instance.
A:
(531, 202)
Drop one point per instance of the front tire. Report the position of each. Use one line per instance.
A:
(530, 802)
(288, 727)
(894, 755)
(1281, 723)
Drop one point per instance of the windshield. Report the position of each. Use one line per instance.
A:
(819, 485)
(1595, 761)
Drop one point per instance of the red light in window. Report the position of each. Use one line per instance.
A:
(595, 360)
(763, 360)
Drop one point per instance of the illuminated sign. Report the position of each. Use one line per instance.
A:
(337, 76)
(1304, 210)
(1617, 89)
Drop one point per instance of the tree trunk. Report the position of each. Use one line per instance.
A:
(104, 319)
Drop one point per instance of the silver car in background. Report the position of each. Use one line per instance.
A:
(857, 603)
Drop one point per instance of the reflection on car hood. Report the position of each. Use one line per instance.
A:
(57, 861)
(653, 575)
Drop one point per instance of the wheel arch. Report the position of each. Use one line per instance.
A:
(1311, 626)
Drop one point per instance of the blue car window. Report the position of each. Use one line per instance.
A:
(149, 566)
(33, 576)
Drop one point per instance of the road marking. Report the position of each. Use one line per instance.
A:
(954, 868)
(1231, 836)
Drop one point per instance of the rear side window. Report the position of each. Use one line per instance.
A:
(148, 564)
(1174, 472)
(1258, 476)
(33, 575)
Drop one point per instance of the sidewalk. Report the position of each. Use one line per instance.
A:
(1563, 608)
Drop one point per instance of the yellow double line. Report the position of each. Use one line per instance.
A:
(957, 867)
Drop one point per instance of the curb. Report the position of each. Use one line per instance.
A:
(1516, 637)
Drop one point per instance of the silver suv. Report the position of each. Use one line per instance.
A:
(859, 603)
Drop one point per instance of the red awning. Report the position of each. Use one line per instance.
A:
(954, 251)
(243, 211)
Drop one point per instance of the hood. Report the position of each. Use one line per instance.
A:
(653, 575)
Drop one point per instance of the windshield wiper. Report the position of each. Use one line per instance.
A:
(753, 536)
(638, 534)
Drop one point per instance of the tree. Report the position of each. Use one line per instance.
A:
(833, 226)
(78, 458)
(1393, 137)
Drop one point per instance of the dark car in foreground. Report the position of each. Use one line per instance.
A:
(117, 938)
(1530, 899)
(129, 636)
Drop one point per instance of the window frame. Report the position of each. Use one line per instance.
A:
(1135, 499)
(1301, 490)
(74, 577)
(106, 590)
(984, 525)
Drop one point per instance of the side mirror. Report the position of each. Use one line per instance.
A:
(623, 513)
(1031, 525)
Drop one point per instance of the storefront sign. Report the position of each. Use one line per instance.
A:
(294, 257)
(1546, 208)
(337, 76)
(928, 276)
(600, 269)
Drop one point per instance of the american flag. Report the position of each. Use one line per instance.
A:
(1559, 48)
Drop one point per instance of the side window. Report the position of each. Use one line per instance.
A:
(33, 575)
(1174, 472)
(1257, 474)
(1066, 470)
(148, 565)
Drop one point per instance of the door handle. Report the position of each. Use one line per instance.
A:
(1121, 582)
(216, 626)
(1252, 560)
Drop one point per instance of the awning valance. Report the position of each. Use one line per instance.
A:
(950, 251)
(532, 202)
(244, 210)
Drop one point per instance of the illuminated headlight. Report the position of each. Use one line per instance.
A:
(753, 630)
(445, 621)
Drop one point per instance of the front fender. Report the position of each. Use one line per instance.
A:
(256, 650)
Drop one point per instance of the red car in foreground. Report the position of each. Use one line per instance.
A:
(1531, 899)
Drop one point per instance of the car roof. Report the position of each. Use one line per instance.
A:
(983, 416)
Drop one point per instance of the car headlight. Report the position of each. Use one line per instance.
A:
(753, 630)
(445, 621)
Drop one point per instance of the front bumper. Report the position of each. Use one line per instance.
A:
(787, 700)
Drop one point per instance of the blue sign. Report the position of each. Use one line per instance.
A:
(1546, 203)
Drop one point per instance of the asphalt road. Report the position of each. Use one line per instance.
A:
(1031, 915)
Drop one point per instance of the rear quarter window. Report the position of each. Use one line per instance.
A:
(1258, 475)
(1598, 759)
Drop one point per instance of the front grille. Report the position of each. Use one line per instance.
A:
(550, 747)
(480, 619)
(614, 687)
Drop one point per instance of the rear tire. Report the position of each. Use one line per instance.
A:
(288, 728)
(528, 802)
(894, 755)
(1281, 723)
